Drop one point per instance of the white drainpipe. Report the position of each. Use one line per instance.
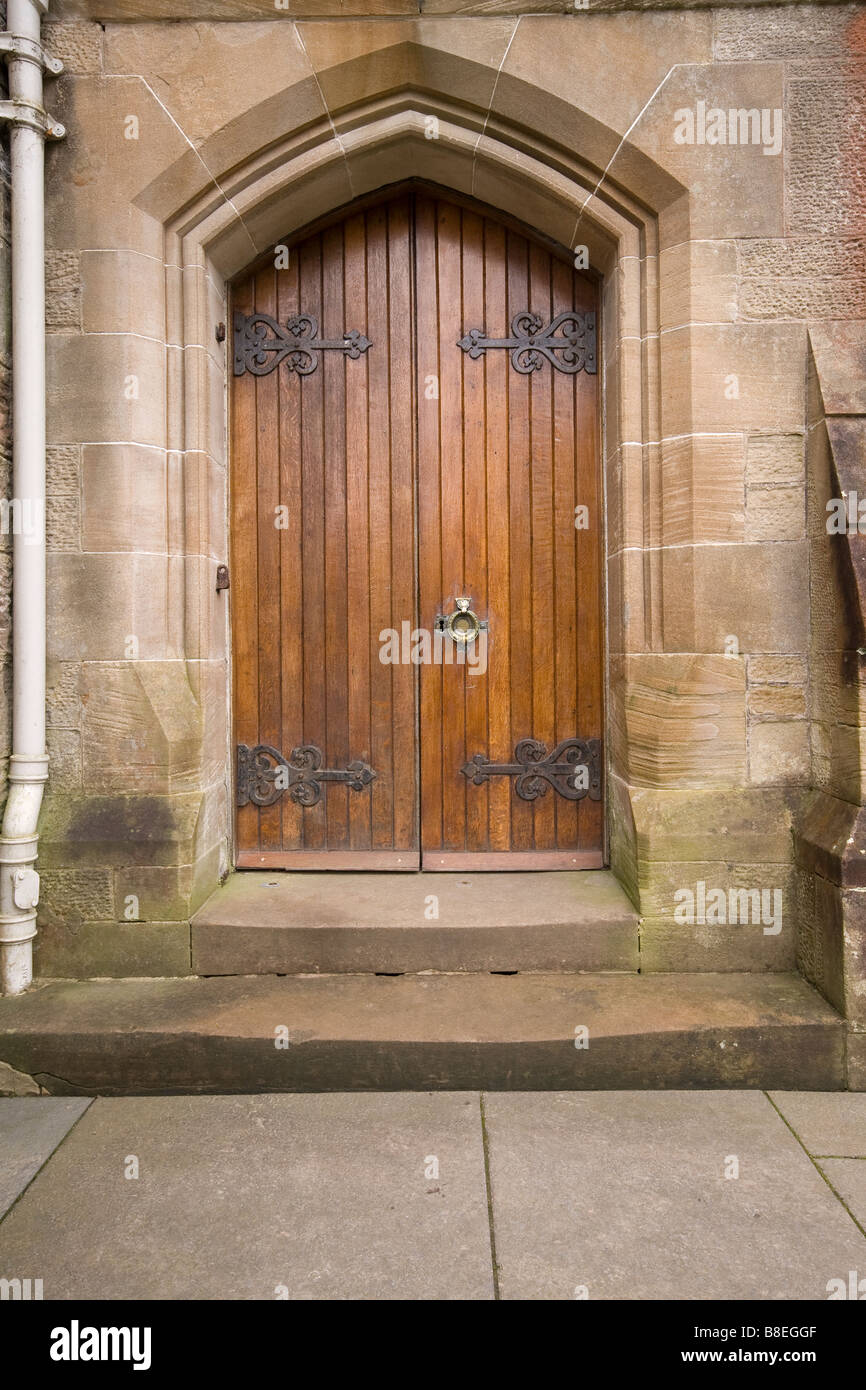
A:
(28, 766)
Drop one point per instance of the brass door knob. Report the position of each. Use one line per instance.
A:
(462, 625)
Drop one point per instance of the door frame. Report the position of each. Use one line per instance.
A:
(392, 860)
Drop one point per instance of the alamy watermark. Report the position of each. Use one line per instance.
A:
(703, 906)
(738, 125)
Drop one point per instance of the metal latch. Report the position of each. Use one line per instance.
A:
(25, 891)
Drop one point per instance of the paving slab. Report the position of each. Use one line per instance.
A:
(848, 1176)
(261, 1197)
(833, 1123)
(30, 1130)
(625, 1196)
(424, 1032)
(310, 923)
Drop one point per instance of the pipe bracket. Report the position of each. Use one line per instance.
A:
(16, 46)
(17, 112)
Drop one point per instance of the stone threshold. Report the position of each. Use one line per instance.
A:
(424, 1032)
(331, 923)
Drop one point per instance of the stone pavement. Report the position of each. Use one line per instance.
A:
(451, 1195)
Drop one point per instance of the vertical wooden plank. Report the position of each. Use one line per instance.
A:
(334, 367)
(564, 540)
(520, 526)
(499, 653)
(590, 656)
(403, 518)
(244, 562)
(267, 501)
(475, 522)
(379, 518)
(451, 414)
(313, 616)
(360, 644)
(289, 639)
(542, 576)
(431, 585)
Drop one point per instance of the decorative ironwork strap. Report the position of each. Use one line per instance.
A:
(264, 774)
(568, 342)
(298, 344)
(573, 769)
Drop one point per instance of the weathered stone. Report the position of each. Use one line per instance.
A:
(15, 1083)
(278, 1170)
(427, 1032)
(78, 46)
(826, 1124)
(115, 949)
(737, 824)
(776, 670)
(259, 923)
(777, 702)
(800, 31)
(779, 753)
(713, 594)
(825, 177)
(62, 291)
(30, 1131)
(572, 1223)
(684, 720)
(775, 514)
(70, 897)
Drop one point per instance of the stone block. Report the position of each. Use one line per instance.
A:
(123, 498)
(130, 404)
(70, 897)
(114, 950)
(684, 720)
(784, 32)
(670, 945)
(729, 377)
(702, 489)
(826, 180)
(78, 45)
(775, 514)
(123, 292)
(772, 669)
(714, 593)
(108, 607)
(142, 728)
(698, 283)
(741, 825)
(777, 702)
(62, 291)
(779, 754)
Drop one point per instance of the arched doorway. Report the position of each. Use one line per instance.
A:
(416, 546)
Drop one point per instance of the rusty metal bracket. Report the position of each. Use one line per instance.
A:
(16, 46)
(568, 342)
(16, 112)
(263, 775)
(261, 344)
(534, 769)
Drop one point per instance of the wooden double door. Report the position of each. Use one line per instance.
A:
(416, 548)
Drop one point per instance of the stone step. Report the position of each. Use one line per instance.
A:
(296, 924)
(423, 1032)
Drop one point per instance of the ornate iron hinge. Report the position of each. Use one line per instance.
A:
(264, 774)
(568, 342)
(298, 344)
(573, 769)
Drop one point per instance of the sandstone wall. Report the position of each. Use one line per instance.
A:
(716, 263)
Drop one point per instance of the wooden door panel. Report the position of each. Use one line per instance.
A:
(501, 470)
(408, 476)
(313, 587)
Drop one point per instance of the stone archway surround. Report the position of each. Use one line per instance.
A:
(280, 195)
(277, 170)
